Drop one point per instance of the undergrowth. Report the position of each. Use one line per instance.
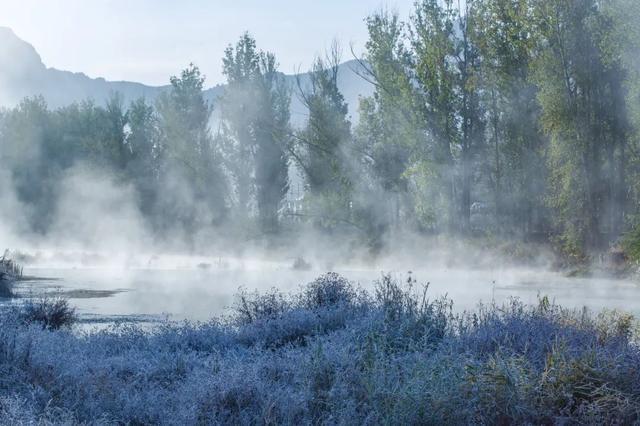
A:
(49, 313)
(331, 354)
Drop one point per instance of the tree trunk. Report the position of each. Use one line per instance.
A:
(466, 190)
(498, 174)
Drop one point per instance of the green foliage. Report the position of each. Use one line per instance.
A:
(255, 130)
(388, 131)
(500, 117)
(321, 147)
(190, 165)
(142, 141)
(631, 243)
(581, 94)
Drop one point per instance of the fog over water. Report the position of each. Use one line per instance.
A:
(361, 164)
(189, 288)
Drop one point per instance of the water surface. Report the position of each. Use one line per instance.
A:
(204, 291)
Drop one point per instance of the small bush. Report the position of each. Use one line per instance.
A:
(52, 314)
(251, 307)
(326, 290)
(408, 316)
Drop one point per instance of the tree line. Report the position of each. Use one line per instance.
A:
(513, 118)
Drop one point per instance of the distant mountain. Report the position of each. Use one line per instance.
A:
(22, 73)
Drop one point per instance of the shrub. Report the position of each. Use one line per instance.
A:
(52, 314)
(328, 289)
(251, 307)
(274, 319)
(408, 316)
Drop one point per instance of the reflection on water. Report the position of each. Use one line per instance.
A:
(200, 293)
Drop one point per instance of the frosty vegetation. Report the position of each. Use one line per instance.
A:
(330, 354)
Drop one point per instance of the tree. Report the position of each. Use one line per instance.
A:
(142, 141)
(432, 33)
(388, 131)
(469, 91)
(195, 189)
(582, 106)
(447, 63)
(238, 109)
(320, 146)
(116, 121)
(272, 139)
(517, 166)
(29, 153)
(255, 127)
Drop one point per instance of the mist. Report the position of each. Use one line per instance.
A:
(438, 224)
(364, 163)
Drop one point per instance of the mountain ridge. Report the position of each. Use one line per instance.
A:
(23, 74)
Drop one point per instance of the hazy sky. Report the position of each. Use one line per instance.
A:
(149, 40)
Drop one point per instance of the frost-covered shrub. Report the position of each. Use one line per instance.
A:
(250, 307)
(15, 410)
(294, 327)
(274, 319)
(328, 289)
(51, 314)
(408, 317)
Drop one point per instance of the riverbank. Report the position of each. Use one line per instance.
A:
(331, 354)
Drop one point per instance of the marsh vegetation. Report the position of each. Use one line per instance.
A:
(331, 353)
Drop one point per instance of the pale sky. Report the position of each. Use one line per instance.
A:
(149, 40)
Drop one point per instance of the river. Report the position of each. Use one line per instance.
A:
(200, 292)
